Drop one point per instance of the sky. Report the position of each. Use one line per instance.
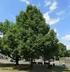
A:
(55, 12)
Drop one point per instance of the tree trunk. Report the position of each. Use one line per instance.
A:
(49, 65)
(17, 61)
(31, 62)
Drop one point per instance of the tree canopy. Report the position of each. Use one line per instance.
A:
(30, 37)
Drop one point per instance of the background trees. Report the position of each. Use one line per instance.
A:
(10, 42)
(67, 53)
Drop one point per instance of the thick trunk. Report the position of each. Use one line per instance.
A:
(44, 60)
(17, 61)
(31, 62)
(49, 65)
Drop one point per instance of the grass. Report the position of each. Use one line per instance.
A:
(13, 68)
(26, 68)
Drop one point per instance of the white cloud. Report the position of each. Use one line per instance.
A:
(60, 13)
(47, 3)
(66, 41)
(49, 20)
(53, 6)
(53, 21)
(56, 32)
(1, 34)
(25, 1)
(66, 37)
(68, 47)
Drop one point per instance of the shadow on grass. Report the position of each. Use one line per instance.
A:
(39, 68)
(35, 68)
(6, 65)
(60, 69)
(23, 67)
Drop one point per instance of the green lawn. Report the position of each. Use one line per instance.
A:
(26, 68)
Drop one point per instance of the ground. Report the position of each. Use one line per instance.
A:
(26, 68)
(7, 66)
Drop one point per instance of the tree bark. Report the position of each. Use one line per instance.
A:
(31, 62)
(17, 61)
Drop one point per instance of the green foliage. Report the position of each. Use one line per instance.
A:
(61, 50)
(30, 37)
(67, 53)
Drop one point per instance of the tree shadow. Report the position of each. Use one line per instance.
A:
(36, 68)
(6, 65)
(60, 69)
(41, 68)
(21, 67)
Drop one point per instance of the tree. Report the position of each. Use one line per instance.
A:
(30, 37)
(5, 26)
(32, 27)
(38, 38)
(10, 44)
(67, 53)
(49, 45)
(10, 40)
(61, 50)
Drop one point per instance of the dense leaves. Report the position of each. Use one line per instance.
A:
(30, 37)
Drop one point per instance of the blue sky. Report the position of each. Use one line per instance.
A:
(55, 12)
